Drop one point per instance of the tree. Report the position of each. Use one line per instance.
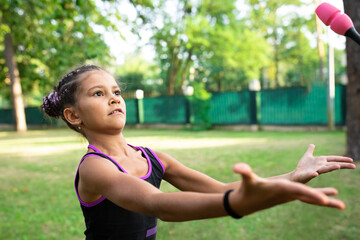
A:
(352, 8)
(235, 56)
(137, 73)
(292, 57)
(206, 36)
(44, 39)
(320, 44)
(266, 17)
(297, 55)
(16, 92)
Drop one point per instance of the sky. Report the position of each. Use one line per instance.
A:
(120, 47)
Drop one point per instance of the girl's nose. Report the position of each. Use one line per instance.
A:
(115, 100)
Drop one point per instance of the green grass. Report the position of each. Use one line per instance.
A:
(38, 200)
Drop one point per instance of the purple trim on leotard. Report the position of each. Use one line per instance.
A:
(98, 151)
(149, 163)
(162, 165)
(117, 164)
(122, 169)
(94, 148)
(151, 231)
(76, 190)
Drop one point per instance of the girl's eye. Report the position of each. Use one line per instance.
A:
(118, 92)
(98, 93)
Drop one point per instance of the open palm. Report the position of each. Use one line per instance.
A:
(311, 166)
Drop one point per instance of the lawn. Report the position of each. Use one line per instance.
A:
(38, 199)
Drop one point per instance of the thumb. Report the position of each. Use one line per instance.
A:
(245, 171)
(310, 150)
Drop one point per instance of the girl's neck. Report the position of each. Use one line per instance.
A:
(112, 145)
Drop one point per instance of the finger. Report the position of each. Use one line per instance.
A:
(347, 166)
(245, 171)
(311, 195)
(330, 202)
(339, 159)
(329, 168)
(328, 191)
(319, 197)
(336, 166)
(310, 150)
(336, 203)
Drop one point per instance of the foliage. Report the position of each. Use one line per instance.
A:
(236, 56)
(137, 73)
(53, 37)
(294, 61)
(199, 107)
(206, 36)
(227, 48)
(195, 41)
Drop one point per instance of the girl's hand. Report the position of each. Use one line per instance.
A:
(256, 193)
(310, 166)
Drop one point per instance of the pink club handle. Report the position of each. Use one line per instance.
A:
(330, 15)
(326, 12)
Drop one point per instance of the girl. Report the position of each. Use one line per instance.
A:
(117, 184)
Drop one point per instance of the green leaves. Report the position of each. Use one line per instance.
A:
(207, 36)
(52, 37)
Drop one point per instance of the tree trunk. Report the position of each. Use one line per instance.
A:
(352, 8)
(320, 45)
(16, 94)
(172, 71)
(276, 58)
(171, 82)
(185, 68)
(219, 80)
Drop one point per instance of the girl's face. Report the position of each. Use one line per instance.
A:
(100, 106)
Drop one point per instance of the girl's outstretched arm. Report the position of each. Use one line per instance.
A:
(308, 167)
(99, 177)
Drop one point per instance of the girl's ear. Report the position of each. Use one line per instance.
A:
(71, 116)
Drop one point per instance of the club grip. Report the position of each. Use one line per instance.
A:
(326, 12)
(330, 15)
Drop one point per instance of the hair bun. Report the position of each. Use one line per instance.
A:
(51, 105)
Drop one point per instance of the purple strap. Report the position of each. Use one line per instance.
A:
(76, 190)
(151, 231)
(162, 165)
(94, 148)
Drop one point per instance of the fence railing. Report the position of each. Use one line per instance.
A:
(290, 106)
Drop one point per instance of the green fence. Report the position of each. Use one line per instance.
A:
(34, 116)
(131, 111)
(169, 110)
(232, 108)
(291, 106)
(297, 106)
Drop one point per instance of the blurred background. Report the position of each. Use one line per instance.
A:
(175, 48)
(162, 47)
(203, 63)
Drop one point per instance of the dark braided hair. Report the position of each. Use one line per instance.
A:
(63, 95)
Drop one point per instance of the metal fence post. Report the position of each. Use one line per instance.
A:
(255, 107)
(140, 105)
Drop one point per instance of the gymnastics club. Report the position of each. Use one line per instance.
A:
(339, 23)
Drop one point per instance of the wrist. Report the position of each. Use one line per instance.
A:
(227, 206)
(297, 176)
(292, 176)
